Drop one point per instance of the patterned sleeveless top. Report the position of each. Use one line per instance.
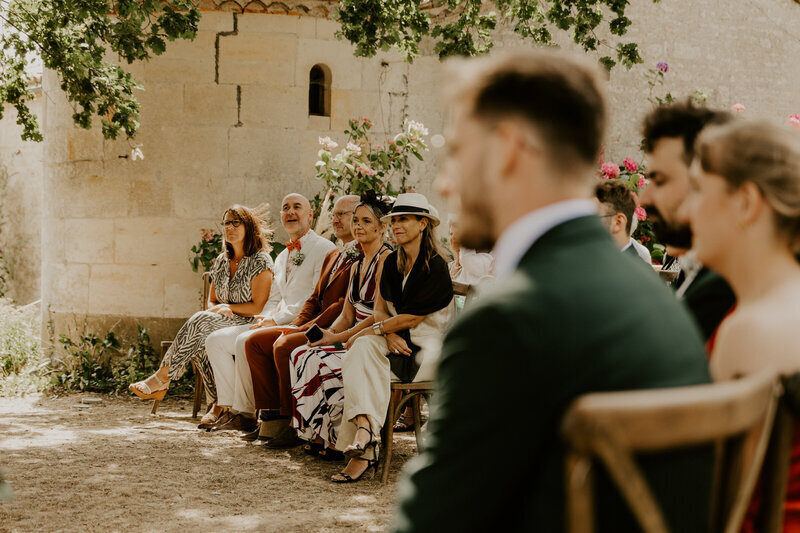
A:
(362, 297)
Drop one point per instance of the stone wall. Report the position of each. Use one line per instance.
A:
(21, 207)
(224, 120)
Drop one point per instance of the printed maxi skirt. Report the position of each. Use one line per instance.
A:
(189, 343)
(317, 372)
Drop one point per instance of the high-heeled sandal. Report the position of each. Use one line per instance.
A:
(355, 451)
(372, 464)
(143, 390)
(404, 423)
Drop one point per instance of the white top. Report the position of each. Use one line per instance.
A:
(292, 284)
(473, 266)
(520, 236)
(640, 248)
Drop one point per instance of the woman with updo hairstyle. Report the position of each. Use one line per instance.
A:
(316, 368)
(241, 278)
(744, 210)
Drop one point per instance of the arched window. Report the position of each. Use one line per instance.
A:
(319, 91)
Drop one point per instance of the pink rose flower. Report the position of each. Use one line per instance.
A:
(610, 170)
(641, 183)
(630, 164)
(644, 239)
(641, 214)
(738, 107)
(367, 171)
(794, 121)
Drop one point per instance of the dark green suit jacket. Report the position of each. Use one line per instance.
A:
(577, 316)
(709, 299)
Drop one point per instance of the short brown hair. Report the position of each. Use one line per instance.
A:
(619, 197)
(766, 155)
(253, 232)
(558, 94)
(681, 120)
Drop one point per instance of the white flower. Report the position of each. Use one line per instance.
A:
(356, 149)
(351, 251)
(297, 257)
(327, 143)
(416, 129)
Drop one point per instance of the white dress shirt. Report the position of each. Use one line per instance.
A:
(472, 268)
(641, 250)
(520, 236)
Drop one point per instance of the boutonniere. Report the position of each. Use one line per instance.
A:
(297, 257)
(351, 251)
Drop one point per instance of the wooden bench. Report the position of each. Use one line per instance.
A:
(413, 394)
(198, 381)
(735, 416)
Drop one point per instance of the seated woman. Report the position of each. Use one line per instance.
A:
(414, 305)
(240, 282)
(744, 210)
(316, 369)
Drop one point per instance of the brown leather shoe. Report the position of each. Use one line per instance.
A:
(237, 422)
(252, 436)
(287, 438)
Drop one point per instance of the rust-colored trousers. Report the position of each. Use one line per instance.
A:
(268, 353)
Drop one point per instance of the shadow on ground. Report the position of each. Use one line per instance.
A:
(112, 467)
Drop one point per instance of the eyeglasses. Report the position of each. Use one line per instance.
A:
(340, 214)
(234, 223)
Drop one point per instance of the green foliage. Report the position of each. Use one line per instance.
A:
(73, 38)
(464, 27)
(207, 250)
(22, 362)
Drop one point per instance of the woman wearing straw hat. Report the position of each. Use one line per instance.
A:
(412, 308)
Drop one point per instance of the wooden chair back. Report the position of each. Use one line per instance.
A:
(206, 290)
(736, 416)
(461, 289)
(777, 462)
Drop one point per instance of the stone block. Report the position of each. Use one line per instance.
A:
(209, 103)
(351, 104)
(151, 198)
(267, 153)
(65, 287)
(214, 21)
(192, 198)
(185, 60)
(161, 103)
(386, 75)
(154, 241)
(54, 241)
(182, 150)
(268, 23)
(284, 107)
(257, 58)
(183, 293)
(106, 196)
(85, 145)
(320, 124)
(63, 194)
(307, 27)
(326, 29)
(89, 240)
(336, 55)
(131, 290)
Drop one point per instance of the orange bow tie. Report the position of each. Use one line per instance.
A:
(293, 245)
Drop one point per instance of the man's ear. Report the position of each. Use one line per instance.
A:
(508, 141)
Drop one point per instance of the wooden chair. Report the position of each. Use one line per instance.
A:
(198, 381)
(777, 462)
(401, 395)
(736, 416)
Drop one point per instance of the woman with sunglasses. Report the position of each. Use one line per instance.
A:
(241, 278)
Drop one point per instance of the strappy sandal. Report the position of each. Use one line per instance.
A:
(330, 455)
(355, 451)
(143, 390)
(372, 464)
(209, 419)
(404, 423)
(313, 449)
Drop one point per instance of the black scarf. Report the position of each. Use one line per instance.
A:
(427, 290)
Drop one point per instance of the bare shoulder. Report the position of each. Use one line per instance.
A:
(759, 335)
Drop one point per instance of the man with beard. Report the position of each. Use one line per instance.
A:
(568, 314)
(669, 135)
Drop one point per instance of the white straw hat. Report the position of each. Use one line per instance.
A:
(412, 203)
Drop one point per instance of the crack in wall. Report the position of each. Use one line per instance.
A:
(235, 31)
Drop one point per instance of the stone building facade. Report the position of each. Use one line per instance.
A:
(225, 119)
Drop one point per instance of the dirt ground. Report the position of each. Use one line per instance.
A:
(114, 467)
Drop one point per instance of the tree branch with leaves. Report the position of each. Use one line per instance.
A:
(464, 27)
(73, 38)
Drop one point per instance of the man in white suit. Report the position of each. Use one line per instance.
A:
(296, 271)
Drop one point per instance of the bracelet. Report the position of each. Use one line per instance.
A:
(377, 329)
(383, 330)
